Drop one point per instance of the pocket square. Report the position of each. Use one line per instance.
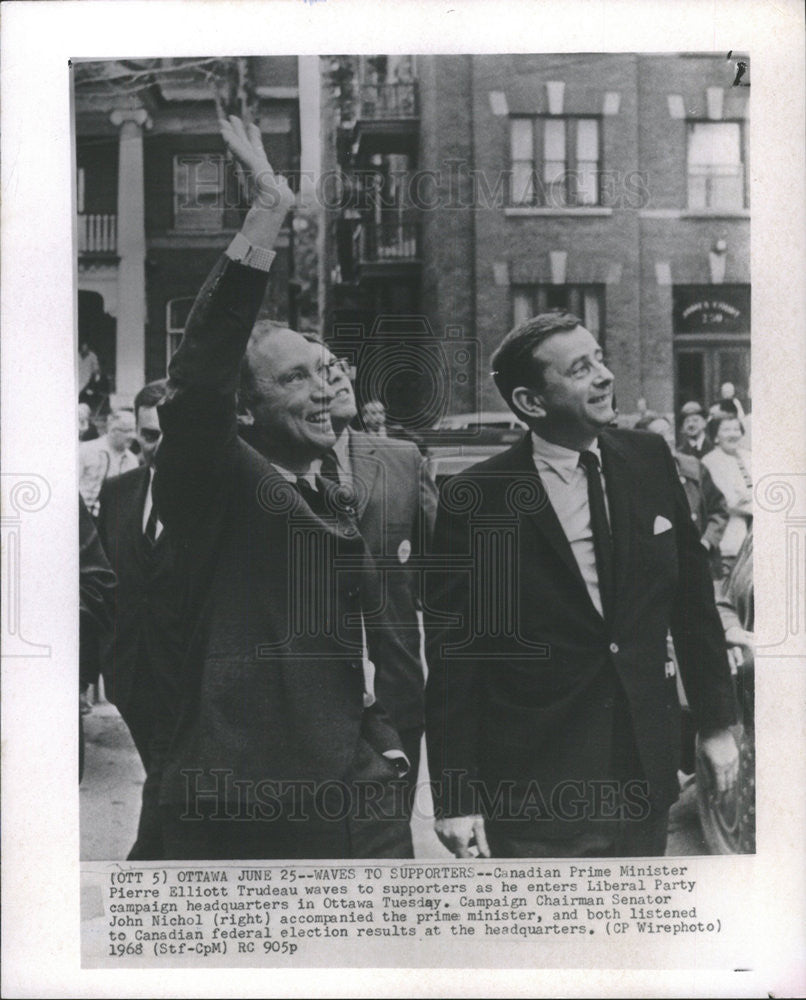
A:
(661, 525)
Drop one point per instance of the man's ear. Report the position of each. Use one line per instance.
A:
(529, 402)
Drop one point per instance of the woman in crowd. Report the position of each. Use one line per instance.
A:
(729, 465)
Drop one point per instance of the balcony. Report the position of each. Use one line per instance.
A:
(388, 119)
(386, 248)
(97, 235)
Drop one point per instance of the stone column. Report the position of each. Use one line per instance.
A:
(131, 318)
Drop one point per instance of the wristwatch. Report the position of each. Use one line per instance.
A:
(243, 252)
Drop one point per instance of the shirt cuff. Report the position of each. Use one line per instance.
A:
(243, 252)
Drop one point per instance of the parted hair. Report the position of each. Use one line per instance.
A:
(514, 362)
(152, 394)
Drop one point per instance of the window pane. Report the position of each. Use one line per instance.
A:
(521, 138)
(591, 317)
(587, 179)
(554, 139)
(588, 139)
(198, 191)
(521, 307)
(714, 143)
(522, 187)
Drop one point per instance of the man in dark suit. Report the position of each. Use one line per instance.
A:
(279, 751)
(552, 719)
(396, 500)
(694, 439)
(147, 632)
(141, 660)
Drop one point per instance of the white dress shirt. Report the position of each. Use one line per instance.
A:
(149, 503)
(566, 484)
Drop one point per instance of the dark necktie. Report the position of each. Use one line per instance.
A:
(330, 467)
(151, 526)
(602, 542)
(313, 495)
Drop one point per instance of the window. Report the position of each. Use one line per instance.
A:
(200, 188)
(555, 161)
(585, 301)
(176, 317)
(715, 168)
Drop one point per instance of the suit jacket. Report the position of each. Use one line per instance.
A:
(709, 510)
(396, 502)
(96, 596)
(519, 658)
(688, 449)
(273, 681)
(146, 643)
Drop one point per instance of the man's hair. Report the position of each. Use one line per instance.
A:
(248, 389)
(115, 416)
(150, 395)
(513, 361)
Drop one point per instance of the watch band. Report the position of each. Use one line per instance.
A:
(243, 252)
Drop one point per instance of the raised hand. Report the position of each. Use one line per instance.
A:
(271, 191)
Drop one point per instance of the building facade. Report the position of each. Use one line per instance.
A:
(156, 197)
(478, 190)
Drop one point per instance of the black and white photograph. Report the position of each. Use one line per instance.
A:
(415, 482)
(573, 225)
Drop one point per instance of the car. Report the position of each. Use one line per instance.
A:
(462, 439)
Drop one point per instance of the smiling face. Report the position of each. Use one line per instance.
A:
(729, 436)
(343, 406)
(292, 400)
(693, 426)
(576, 394)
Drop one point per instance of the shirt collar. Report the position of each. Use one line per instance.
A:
(341, 449)
(561, 460)
(309, 476)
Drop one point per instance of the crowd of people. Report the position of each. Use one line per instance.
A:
(277, 568)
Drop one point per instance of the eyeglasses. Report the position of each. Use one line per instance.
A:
(150, 435)
(337, 364)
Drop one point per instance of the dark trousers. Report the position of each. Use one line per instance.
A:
(619, 839)
(412, 740)
(363, 816)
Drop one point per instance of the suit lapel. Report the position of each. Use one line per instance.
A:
(618, 483)
(543, 517)
(365, 468)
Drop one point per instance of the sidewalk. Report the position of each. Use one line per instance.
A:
(113, 778)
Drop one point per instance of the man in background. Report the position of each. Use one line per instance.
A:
(395, 500)
(694, 439)
(141, 660)
(106, 456)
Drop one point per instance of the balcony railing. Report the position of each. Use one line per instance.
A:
(383, 101)
(97, 234)
(386, 241)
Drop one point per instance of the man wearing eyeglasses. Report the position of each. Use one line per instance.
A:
(395, 500)
(279, 750)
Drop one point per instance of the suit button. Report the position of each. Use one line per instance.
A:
(354, 592)
(356, 666)
(613, 647)
(608, 703)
